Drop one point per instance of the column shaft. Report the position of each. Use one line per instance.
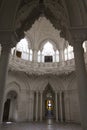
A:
(41, 100)
(61, 107)
(34, 55)
(61, 55)
(29, 55)
(56, 103)
(82, 82)
(55, 56)
(36, 106)
(3, 73)
(40, 56)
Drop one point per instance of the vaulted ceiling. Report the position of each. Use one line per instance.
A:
(69, 16)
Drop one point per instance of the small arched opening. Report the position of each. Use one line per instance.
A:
(48, 102)
(10, 107)
(48, 52)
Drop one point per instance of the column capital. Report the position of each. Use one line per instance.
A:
(41, 92)
(79, 35)
(56, 92)
(78, 47)
(35, 50)
(5, 49)
(8, 37)
(78, 40)
(61, 92)
(32, 91)
(37, 91)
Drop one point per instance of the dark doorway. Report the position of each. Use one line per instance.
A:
(48, 103)
(48, 59)
(6, 110)
(18, 54)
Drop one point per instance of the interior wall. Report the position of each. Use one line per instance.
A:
(26, 87)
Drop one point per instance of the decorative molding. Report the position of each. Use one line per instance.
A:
(46, 31)
(31, 68)
(79, 35)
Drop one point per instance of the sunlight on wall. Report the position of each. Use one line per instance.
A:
(84, 46)
(68, 52)
(48, 49)
(23, 45)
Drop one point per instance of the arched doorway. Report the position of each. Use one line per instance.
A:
(6, 110)
(49, 102)
(10, 107)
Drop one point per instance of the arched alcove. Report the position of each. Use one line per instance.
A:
(48, 52)
(48, 102)
(10, 107)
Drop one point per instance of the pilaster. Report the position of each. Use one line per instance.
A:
(61, 106)
(35, 54)
(6, 48)
(41, 104)
(56, 104)
(37, 94)
(81, 79)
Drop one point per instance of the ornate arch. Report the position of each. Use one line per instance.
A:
(52, 41)
(29, 39)
(12, 86)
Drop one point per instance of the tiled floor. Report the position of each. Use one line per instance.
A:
(39, 126)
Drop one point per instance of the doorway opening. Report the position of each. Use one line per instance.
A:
(10, 107)
(49, 102)
(6, 110)
(49, 108)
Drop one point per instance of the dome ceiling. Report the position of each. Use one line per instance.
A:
(63, 14)
(41, 31)
(69, 16)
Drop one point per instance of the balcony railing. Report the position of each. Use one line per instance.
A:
(31, 67)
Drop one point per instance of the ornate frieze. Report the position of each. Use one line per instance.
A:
(18, 64)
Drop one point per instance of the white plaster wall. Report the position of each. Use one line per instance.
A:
(45, 32)
(26, 85)
(17, 82)
(71, 105)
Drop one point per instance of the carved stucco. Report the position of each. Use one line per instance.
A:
(42, 30)
(39, 83)
(62, 14)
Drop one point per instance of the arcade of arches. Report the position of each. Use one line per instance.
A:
(40, 96)
(43, 61)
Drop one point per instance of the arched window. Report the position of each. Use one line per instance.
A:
(68, 52)
(48, 52)
(22, 47)
(21, 50)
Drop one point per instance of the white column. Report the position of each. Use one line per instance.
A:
(82, 81)
(31, 105)
(40, 56)
(29, 55)
(3, 74)
(61, 55)
(56, 103)
(61, 106)
(37, 94)
(35, 54)
(55, 56)
(41, 104)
